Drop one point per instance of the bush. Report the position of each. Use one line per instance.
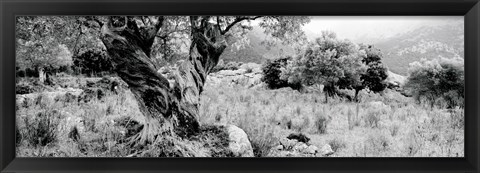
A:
(272, 73)
(337, 144)
(373, 117)
(378, 142)
(321, 124)
(92, 62)
(436, 79)
(24, 88)
(263, 142)
(42, 128)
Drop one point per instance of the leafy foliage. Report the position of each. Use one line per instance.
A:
(272, 71)
(327, 61)
(374, 78)
(93, 62)
(42, 129)
(438, 79)
(41, 42)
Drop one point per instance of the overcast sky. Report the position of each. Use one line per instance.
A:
(372, 28)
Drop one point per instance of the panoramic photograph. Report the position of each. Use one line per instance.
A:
(240, 86)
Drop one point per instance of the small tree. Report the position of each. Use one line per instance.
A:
(374, 76)
(272, 70)
(439, 78)
(326, 61)
(42, 44)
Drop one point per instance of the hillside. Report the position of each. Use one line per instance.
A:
(429, 41)
(255, 51)
(425, 42)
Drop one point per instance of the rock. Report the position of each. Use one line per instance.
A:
(299, 137)
(326, 150)
(312, 149)
(300, 147)
(231, 72)
(278, 147)
(287, 143)
(238, 142)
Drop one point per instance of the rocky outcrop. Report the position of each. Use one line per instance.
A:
(238, 142)
(248, 75)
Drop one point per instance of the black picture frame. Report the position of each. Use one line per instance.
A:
(470, 9)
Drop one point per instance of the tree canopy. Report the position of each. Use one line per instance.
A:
(325, 62)
(438, 80)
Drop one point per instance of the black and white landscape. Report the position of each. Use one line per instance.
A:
(239, 86)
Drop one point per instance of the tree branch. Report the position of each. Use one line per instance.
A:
(237, 20)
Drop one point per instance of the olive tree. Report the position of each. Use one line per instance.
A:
(42, 44)
(442, 78)
(372, 78)
(326, 62)
(172, 108)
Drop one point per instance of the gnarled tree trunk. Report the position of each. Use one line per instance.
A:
(167, 110)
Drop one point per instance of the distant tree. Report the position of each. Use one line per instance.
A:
(272, 70)
(373, 78)
(44, 43)
(435, 79)
(326, 61)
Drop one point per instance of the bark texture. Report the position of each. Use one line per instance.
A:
(167, 110)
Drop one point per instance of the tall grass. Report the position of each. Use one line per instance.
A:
(402, 128)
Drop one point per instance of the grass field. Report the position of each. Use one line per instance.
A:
(388, 125)
(398, 128)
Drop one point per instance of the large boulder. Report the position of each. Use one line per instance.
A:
(326, 150)
(238, 142)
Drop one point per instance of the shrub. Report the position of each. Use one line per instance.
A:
(92, 62)
(372, 118)
(272, 74)
(24, 88)
(378, 142)
(263, 143)
(321, 124)
(42, 128)
(337, 144)
(439, 78)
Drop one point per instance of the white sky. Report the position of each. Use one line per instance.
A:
(371, 28)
